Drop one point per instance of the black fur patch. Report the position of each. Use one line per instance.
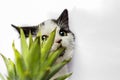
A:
(27, 30)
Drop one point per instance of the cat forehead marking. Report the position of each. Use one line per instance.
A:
(48, 27)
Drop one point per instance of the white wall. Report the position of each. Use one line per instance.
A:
(96, 24)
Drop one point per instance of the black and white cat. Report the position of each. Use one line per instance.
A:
(63, 35)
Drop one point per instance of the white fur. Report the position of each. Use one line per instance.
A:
(67, 41)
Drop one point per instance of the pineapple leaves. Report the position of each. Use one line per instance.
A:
(63, 77)
(30, 40)
(56, 68)
(36, 60)
(20, 65)
(33, 58)
(47, 45)
(54, 55)
(24, 46)
(10, 67)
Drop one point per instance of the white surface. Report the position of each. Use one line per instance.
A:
(96, 24)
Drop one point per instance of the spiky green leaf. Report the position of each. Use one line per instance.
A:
(43, 73)
(30, 40)
(33, 58)
(47, 45)
(10, 67)
(24, 46)
(53, 56)
(56, 68)
(63, 77)
(19, 63)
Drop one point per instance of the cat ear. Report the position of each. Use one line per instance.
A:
(27, 29)
(63, 20)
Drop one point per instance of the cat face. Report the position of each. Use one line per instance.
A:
(64, 37)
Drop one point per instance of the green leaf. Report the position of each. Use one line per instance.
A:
(63, 77)
(43, 73)
(20, 65)
(12, 70)
(50, 61)
(53, 56)
(33, 58)
(30, 40)
(24, 46)
(47, 45)
(10, 67)
(56, 68)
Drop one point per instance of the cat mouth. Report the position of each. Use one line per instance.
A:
(60, 46)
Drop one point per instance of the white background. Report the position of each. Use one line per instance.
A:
(96, 24)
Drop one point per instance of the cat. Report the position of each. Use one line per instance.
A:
(63, 36)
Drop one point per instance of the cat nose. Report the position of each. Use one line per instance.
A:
(59, 41)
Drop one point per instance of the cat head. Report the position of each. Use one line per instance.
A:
(63, 36)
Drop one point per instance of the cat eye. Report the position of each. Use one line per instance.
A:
(62, 33)
(44, 37)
